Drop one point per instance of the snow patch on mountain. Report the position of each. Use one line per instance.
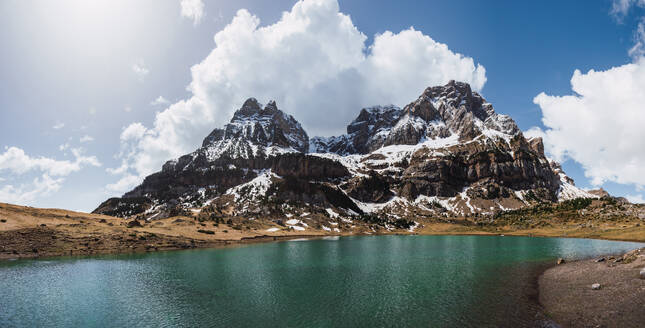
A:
(569, 191)
(255, 188)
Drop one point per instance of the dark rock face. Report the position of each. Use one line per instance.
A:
(123, 206)
(449, 143)
(302, 191)
(373, 189)
(503, 168)
(307, 167)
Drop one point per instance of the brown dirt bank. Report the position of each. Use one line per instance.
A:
(566, 294)
(35, 232)
(27, 232)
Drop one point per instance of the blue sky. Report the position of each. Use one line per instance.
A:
(75, 76)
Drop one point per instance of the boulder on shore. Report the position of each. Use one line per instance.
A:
(595, 286)
(560, 261)
(631, 256)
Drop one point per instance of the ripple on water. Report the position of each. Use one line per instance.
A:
(457, 281)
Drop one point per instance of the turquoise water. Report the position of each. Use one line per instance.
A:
(372, 281)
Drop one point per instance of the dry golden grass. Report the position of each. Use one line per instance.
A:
(29, 232)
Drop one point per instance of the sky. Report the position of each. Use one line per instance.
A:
(95, 95)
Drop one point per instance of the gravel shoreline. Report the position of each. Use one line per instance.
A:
(567, 296)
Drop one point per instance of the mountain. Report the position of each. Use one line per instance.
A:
(445, 154)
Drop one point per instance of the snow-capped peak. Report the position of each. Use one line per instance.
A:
(438, 113)
(253, 132)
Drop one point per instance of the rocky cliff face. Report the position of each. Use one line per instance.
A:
(447, 153)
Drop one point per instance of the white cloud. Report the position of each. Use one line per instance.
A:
(16, 161)
(127, 108)
(314, 62)
(133, 131)
(638, 50)
(124, 184)
(159, 101)
(140, 70)
(86, 138)
(636, 199)
(401, 65)
(119, 170)
(620, 8)
(27, 193)
(192, 9)
(601, 125)
(58, 126)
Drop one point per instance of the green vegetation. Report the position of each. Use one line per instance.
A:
(574, 210)
(380, 221)
(575, 204)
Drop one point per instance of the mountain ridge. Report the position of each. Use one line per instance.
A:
(445, 154)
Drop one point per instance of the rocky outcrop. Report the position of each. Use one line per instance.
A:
(374, 188)
(600, 193)
(307, 167)
(502, 168)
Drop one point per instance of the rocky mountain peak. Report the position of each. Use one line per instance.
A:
(252, 103)
(456, 94)
(271, 106)
(462, 110)
(440, 112)
(257, 126)
(252, 107)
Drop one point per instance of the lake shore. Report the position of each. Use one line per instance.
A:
(27, 232)
(82, 239)
(567, 296)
